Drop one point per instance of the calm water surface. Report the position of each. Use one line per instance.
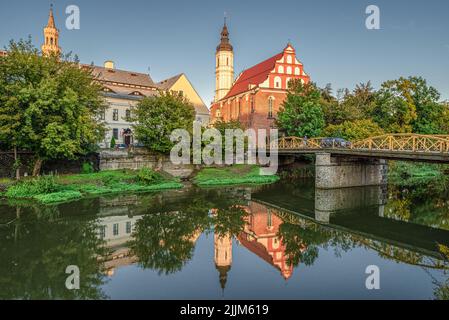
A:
(283, 241)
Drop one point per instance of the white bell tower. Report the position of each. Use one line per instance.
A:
(224, 65)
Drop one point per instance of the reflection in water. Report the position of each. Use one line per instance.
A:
(286, 228)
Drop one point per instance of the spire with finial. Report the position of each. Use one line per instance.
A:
(225, 45)
(51, 36)
(51, 18)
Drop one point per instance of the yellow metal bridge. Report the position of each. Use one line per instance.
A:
(434, 148)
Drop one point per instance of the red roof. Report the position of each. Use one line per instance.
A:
(253, 76)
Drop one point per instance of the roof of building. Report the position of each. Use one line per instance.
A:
(253, 76)
(123, 77)
(225, 45)
(168, 83)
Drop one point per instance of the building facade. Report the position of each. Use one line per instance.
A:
(257, 94)
(123, 89)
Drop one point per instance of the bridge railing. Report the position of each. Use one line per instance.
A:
(389, 142)
(405, 143)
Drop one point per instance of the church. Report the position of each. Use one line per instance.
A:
(256, 95)
(123, 89)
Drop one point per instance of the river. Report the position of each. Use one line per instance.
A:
(281, 241)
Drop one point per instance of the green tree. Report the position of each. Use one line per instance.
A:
(354, 130)
(431, 114)
(48, 105)
(301, 113)
(156, 117)
(394, 109)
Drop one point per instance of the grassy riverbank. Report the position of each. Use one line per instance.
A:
(238, 174)
(56, 189)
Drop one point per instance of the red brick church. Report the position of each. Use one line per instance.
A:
(254, 98)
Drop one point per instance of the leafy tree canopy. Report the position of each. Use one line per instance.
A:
(301, 113)
(156, 117)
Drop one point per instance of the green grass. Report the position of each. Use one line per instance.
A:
(50, 190)
(235, 175)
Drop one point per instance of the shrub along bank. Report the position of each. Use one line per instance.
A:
(55, 189)
(234, 175)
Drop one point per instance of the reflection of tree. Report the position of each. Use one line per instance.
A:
(229, 221)
(164, 241)
(36, 250)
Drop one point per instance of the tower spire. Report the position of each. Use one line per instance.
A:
(51, 36)
(51, 18)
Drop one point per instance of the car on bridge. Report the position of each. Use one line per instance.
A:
(335, 143)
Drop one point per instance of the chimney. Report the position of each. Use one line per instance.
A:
(109, 64)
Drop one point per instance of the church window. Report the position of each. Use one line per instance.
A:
(51, 41)
(270, 107)
(289, 70)
(281, 69)
(277, 82)
(297, 71)
(289, 59)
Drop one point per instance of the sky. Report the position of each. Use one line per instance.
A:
(172, 37)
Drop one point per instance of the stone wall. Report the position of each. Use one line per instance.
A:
(140, 158)
(343, 172)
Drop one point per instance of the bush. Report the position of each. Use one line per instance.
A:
(113, 143)
(30, 188)
(148, 176)
(87, 168)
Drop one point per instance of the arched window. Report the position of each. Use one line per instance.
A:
(289, 59)
(227, 61)
(46, 41)
(297, 71)
(281, 69)
(51, 41)
(277, 82)
(289, 70)
(218, 61)
(270, 107)
(218, 114)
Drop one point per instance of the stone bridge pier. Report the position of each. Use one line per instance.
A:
(334, 172)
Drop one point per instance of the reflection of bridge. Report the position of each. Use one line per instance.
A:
(344, 164)
(359, 211)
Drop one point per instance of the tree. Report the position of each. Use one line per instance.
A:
(354, 130)
(156, 117)
(301, 113)
(431, 116)
(395, 109)
(48, 105)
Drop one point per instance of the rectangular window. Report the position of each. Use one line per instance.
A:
(128, 115)
(115, 133)
(103, 115)
(270, 108)
(115, 115)
(102, 232)
(128, 227)
(115, 229)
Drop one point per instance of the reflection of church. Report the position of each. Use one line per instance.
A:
(260, 236)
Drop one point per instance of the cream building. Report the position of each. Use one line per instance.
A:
(123, 89)
(224, 66)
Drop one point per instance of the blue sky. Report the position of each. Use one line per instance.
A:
(171, 37)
